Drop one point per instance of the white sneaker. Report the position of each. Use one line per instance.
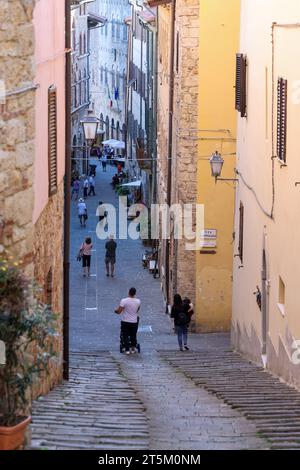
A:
(133, 351)
(127, 352)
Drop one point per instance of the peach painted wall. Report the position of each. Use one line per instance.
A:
(49, 24)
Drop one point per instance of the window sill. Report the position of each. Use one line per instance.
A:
(281, 309)
(281, 162)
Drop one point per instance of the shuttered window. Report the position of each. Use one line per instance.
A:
(281, 118)
(52, 140)
(240, 84)
(241, 233)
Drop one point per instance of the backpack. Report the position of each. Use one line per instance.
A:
(182, 319)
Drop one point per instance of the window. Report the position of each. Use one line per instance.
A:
(241, 233)
(281, 119)
(240, 84)
(80, 93)
(125, 32)
(281, 296)
(52, 140)
(80, 44)
(177, 51)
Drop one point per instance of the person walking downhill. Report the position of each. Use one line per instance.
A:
(181, 321)
(85, 187)
(92, 186)
(110, 256)
(86, 251)
(128, 309)
(75, 189)
(82, 212)
(104, 162)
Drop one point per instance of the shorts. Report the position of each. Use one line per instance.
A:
(110, 259)
(86, 261)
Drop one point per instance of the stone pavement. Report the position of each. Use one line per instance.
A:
(180, 415)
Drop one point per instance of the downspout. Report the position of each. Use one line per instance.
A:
(170, 147)
(66, 262)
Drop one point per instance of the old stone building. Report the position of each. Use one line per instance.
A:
(178, 51)
(32, 148)
(195, 118)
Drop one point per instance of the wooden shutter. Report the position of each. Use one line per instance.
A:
(241, 233)
(240, 84)
(281, 118)
(52, 140)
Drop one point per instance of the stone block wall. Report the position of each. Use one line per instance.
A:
(17, 130)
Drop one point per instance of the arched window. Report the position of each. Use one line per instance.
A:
(106, 77)
(107, 128)
(101, 74)
(84, 87)
(118, 130)
(80, 44)
(84, 44)
(80, 92)
(113, 79)
(112, 128)
(73, 35)
(113, 29)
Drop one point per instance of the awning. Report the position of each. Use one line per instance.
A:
(132, 184)
(109, 142)
(119, 144)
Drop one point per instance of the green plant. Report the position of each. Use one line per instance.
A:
(121, 191)
(26, 326)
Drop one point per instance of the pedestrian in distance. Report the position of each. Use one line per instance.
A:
(92, 186)
(75, 189)
(110, 255)
(128, 309)
(101, 211)
(104, 162)
(86, 253)
(85, 187)
(181, 321)
(82, 212)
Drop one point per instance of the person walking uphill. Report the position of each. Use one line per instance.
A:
(129, 308)
(110, 256)
(181, 321)
(82, 212)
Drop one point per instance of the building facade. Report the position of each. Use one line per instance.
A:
(195, 118)
(33, 150)
(266, 303)
(141, 103)
(84, 26)
(109, 48)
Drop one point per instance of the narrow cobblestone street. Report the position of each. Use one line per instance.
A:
(179, 414)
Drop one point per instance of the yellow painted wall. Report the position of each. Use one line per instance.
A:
(219, 42)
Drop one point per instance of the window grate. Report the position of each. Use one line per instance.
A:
(281, 119)
(240, 84)
(52, 140)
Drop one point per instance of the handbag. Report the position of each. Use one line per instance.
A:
(80, 254)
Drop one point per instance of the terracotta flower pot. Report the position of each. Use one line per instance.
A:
(12, 437)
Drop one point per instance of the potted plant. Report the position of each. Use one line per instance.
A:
(26, 326)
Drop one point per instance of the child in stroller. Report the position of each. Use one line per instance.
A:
(122, 343)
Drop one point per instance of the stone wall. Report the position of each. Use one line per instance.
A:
(17, 130)
(184, 168)
(48, 273)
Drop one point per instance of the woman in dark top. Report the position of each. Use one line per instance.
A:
(181, 320)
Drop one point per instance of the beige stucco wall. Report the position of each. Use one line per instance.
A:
(279, 236)
(219, 41)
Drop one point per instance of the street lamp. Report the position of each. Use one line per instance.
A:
(216, 163)
(90, 126)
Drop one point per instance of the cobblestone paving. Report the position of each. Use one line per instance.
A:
(180, 415)
(96, 409)
(270, 404)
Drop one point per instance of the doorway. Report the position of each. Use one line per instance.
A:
(264, 307)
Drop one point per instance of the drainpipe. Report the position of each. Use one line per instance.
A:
(170, 147)
(66, 263)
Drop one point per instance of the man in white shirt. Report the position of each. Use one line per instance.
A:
(82, 212)
(85, 187)
(128, 309)
(92, 186)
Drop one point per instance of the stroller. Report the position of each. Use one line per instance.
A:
(122, 342)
